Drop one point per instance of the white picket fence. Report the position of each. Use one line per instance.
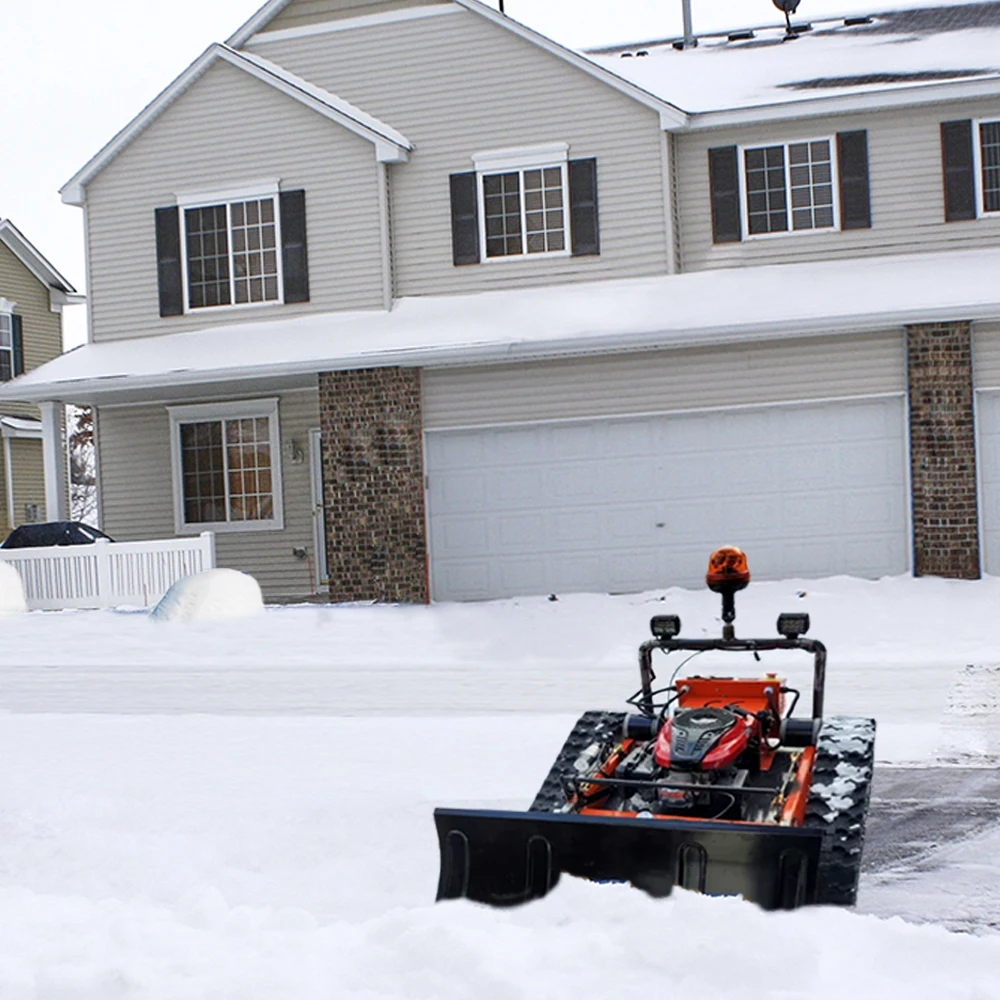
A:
(108, 574)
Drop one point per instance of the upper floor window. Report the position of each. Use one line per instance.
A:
(231, 253)
(809, 185)
(789, 187)
(524, 211)
(6, 347)
(238, 248)
(989, 167)
(532, 201)
(11, 346)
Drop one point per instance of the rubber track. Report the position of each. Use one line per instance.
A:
(591, 727)
(838, 804)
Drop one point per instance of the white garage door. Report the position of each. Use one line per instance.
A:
(988, 411)
(619, 505)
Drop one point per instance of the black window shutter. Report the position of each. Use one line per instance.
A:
(855, 197)
(959, 183)
(583, 207)
(464, 218)
(294, 254)
(168, 261)
(724, 180)
(17, 341)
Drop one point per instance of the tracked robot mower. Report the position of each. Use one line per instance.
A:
(712, 784)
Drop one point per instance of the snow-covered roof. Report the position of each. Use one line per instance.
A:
(61, 292)
(895, 50)
(391, 146)
(601, 317)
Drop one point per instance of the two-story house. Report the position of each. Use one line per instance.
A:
(406, 296)
(32, 295)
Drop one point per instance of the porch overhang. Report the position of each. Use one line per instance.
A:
(704, 308)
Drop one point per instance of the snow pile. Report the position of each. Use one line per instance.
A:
(11, 590)
(213, 595)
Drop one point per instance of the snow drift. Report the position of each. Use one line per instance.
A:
(11, 591)
(213, 595)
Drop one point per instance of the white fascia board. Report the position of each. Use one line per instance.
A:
(388, 141)
(256, 21)
(909, 95)
(21, 247)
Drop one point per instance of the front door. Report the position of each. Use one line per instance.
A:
(318, 508)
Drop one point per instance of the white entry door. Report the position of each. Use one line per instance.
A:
(988, 434)
(617, 505)
(318, 506)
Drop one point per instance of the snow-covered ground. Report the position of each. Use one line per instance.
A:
(243, 809)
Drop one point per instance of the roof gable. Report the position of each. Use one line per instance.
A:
(670, 115)
(391, 146)
(61, 292)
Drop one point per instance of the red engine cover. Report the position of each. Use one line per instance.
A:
(723, 754)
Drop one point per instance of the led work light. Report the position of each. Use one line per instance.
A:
(791, 626)
(665, 626)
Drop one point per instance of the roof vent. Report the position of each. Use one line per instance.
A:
(642, 52)
(740, 36)
(853, 22)
(626, 55)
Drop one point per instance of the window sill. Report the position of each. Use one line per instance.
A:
(228, 527)
(233, 307)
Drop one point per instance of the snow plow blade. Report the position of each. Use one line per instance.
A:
(507, 858)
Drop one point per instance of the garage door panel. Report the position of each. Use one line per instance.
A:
(630, 504)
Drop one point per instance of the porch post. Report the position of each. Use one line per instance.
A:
(54, 461)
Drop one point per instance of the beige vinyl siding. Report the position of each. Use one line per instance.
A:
(664, 381)
(986, 354)
(457, 85)
(907, 199)
(29, 478)
(306, 12)
(41, 328)
(137, 492)
(230, 129)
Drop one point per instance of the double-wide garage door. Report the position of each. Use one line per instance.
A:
(627, 504)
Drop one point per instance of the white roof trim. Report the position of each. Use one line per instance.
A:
(362, 21)
(20, 427)
(891, 96)
(728, 306)
(19, 245)
(670, 116)
(390, 145)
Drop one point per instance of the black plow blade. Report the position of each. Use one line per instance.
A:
(506, 858)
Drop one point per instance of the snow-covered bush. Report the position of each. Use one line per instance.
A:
(212, 595)
(11, 591)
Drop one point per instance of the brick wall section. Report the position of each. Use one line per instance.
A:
(943, 451)
(373, 482)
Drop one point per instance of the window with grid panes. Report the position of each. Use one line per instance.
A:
(789, 187)
(232, 253)
(226, 470)
(6, 347)
(524, 211)
(989, 158)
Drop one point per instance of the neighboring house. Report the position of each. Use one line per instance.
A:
(32, 294)
(405, 296)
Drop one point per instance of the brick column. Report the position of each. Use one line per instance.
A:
(373, 482)
(943, 451)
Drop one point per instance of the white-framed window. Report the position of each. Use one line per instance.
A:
(226, 460)
(6, 343)
(231, 247)
(986, 150)
(790, 187)
(523, 202)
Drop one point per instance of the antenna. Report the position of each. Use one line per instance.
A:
(788, 7)
(690, 41)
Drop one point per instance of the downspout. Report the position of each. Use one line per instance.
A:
(8, 475)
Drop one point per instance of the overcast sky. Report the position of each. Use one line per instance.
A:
(74, 72)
